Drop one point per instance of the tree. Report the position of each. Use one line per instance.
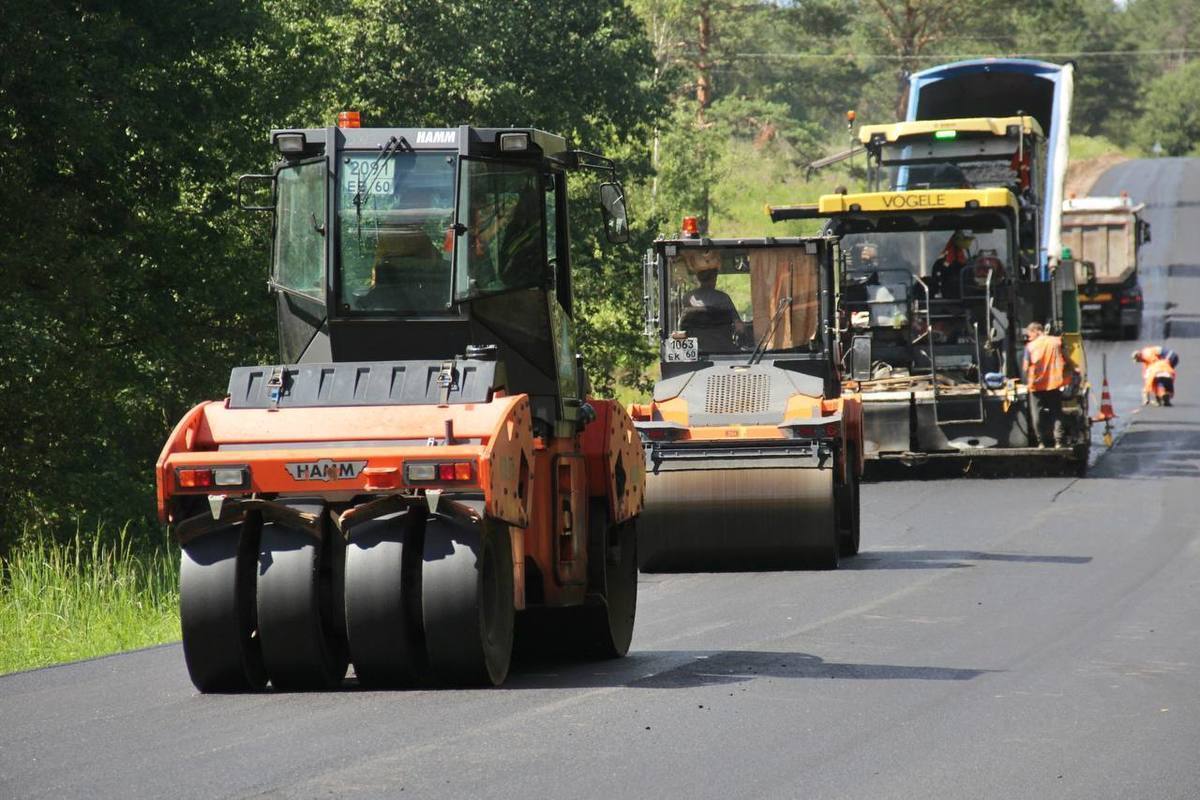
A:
(1172, 113)
(134, 283)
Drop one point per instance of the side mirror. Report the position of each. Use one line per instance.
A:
(1145, 237)
(256, 181)
(616, 218)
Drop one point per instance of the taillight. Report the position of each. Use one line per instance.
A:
(210, 477)
(1131, 298)
(194, 478)
(440, 472)
(829, 430)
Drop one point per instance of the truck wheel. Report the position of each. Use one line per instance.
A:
(848, 517)
(216, 609)
(383, 601)
(467, 601)
(1130, 331)
(300, 616)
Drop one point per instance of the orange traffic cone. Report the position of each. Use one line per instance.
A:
(1106, 409)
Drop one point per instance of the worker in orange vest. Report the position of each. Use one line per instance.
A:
(1152, 353)
(1158, 368)
(1045, 375)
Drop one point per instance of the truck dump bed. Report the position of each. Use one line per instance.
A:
(1103, 231)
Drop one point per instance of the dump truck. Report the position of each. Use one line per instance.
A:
(424, 465)
(753, 451)
(1102, 236)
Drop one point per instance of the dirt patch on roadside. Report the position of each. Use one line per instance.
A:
(1081, 175)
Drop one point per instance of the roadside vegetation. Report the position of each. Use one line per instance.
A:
(133, 282)
(88, 596)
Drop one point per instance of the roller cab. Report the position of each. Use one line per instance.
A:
(423, 466)
(753, 454)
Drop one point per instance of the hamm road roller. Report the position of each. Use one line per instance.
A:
(753, 453)
(423, 465)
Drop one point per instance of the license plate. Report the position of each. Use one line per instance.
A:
(1090, 307)
(363, 174)
(681, 349)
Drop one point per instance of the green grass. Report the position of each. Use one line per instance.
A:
(89, 597)
(756, 178)
(1085, 147)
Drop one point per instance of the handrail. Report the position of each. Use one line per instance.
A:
(929, 333)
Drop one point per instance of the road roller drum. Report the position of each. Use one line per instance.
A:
(739, 519)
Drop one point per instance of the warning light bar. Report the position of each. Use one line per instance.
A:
(945, 135)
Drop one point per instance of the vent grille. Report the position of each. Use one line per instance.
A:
(738, 394)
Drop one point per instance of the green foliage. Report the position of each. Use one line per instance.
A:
(87, 597)
(1172, 116)
(1088, 147)
(131, 283)
(134, 284)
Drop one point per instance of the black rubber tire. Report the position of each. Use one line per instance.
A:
(383, 601)
(1130, 331)
(300, 614)
(467, 601)
(848, 508)
(217, 611)
(604, 630)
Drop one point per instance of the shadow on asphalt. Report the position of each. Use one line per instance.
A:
(712, 668)
(989, 468)
(739, 666)
(946, 559)
(1183, 270)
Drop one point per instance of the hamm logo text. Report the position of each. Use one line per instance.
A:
(325, 470)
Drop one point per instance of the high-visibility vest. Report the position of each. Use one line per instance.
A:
(1156, 369)
(1150, 354)
(1045, 366)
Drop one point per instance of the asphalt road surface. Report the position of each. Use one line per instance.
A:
(996, 638)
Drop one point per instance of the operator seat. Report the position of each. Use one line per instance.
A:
(410, 274)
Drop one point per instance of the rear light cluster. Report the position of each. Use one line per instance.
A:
(1131, 297)
(447, 472)
(826, 431)
(662, 434)
(213, 477)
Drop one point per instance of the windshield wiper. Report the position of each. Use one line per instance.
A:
(760, 348)
(366, 185)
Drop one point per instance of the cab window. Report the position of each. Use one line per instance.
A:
(395, 232)
(299, 254)
(502, 245)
